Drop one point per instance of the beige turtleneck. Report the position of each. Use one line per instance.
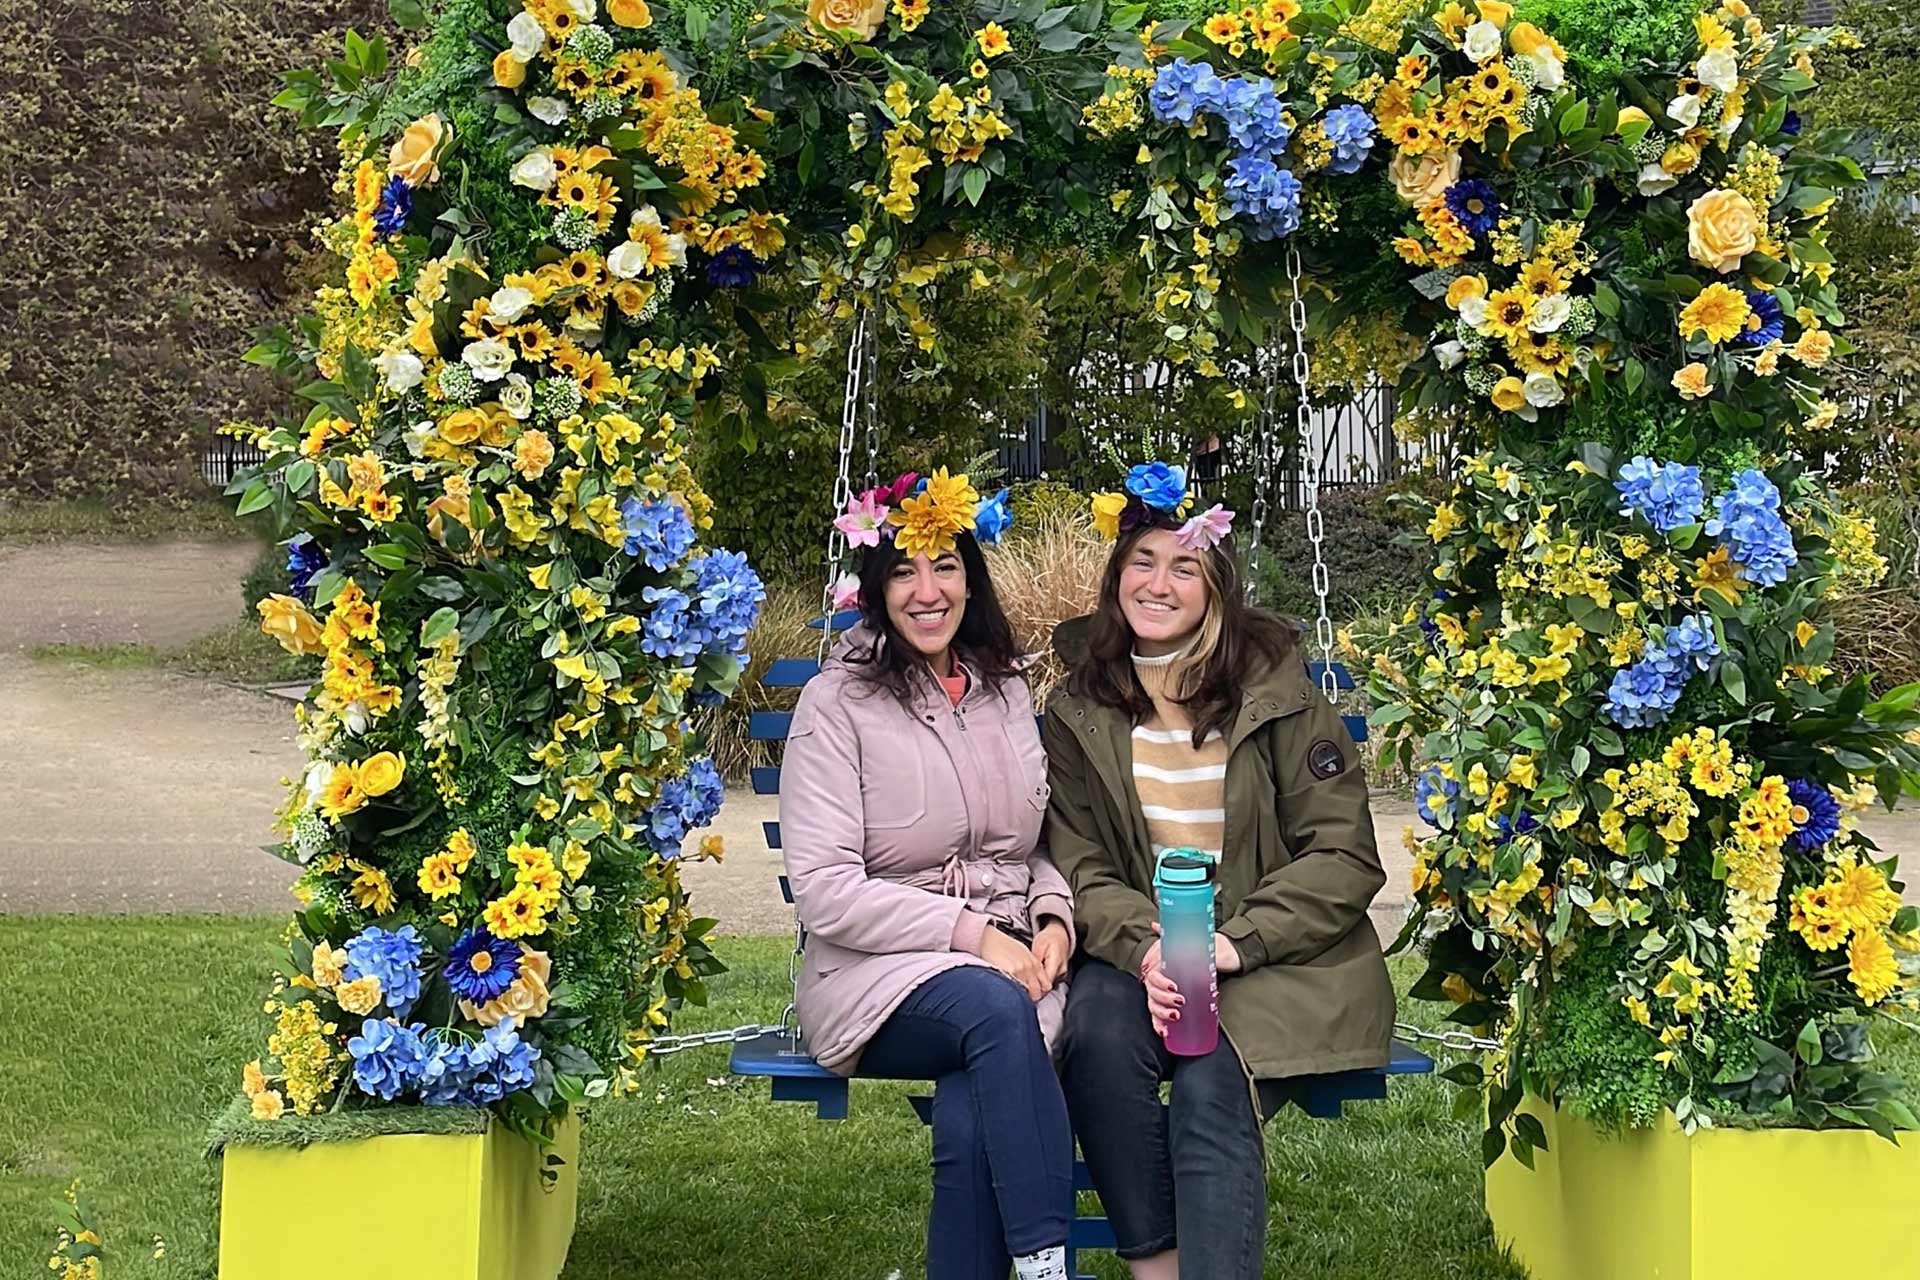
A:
(1182, 789)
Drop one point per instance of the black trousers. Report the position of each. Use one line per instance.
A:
(1190, 1174)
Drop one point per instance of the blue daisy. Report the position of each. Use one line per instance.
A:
(480, 967)
(1766, 322)
(1475, 205)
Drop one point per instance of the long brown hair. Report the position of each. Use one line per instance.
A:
(1236, 643)
(985, 637)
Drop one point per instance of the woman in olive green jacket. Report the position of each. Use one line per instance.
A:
(1189, 720)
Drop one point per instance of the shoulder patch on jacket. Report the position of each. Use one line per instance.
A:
(1326, 760)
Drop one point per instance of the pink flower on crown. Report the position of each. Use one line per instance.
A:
(902, 487)
(1206, 530)
(865, 519)
(846, 592)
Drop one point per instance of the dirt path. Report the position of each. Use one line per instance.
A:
(162, 594)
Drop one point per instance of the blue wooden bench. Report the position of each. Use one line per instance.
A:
(794, 1076)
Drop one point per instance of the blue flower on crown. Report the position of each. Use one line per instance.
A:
(1668, 494)
(1350, 129)
(388, 1058)
(393, 958)
(1160, 486)
(1747, 519)
(658, 532)
(1766, 321)
(992, 520)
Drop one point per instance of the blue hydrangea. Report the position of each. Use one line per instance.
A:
(488, 980)
(1692, 642)
(477, 1071)
(1429, 787)
(1264, 193)
(1668, 494)
(684, 804)
(1475, 205)
(305, 559)
(993, 520)
(1766, 323)
(393, 958)
(1350, 129)
(1747, 519)
(1823, 815)
(670, 629)
(727, 595)
(1644, 694)
(1253, 115)
(661, 533)
(396, 206)
(1183, 90)
(388, 1058)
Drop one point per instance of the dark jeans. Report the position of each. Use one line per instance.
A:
(1191, 1174)
(1002, 1148)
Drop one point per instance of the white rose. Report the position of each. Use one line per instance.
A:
(508, 303)
(1548, 73)
(354, 716)
(1654, 179)
(416, 436)
(535, 170)
(551, 110)
(677, 249)
(402, 370)
(1543, 390)
(1549, 313)
(489, 359)
(645, 218)
(319, 773)
(1449, 353)
(1718, 69)
(517, 396)
(1474, 311)
(1729, 125)
(582, 9)
(526, 36)
(1685, 110)
(1482, 41)
(628, 260)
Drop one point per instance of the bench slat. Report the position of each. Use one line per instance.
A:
(766, 780)
(773, 834)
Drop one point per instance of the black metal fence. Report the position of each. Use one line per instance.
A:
(222, 456)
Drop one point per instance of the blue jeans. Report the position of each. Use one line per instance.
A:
(1002, 1148)
(1190, 1174)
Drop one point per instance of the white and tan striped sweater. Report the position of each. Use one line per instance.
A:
(1182, 789)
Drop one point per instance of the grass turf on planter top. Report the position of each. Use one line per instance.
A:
(118, 1051)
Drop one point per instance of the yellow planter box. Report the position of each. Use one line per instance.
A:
(423, 1206)
(1723, 1204)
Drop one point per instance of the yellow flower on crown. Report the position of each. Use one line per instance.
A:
(928, 522)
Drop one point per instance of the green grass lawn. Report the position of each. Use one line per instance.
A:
(120, 1039)
(30, 521)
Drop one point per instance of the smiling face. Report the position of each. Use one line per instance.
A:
(926, 599)
(1163, 593)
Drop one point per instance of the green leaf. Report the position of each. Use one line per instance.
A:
(438, 627)
(1606, 301)
(259, 495)
(975, 184)
(388, 555)
(1734, 681)
(1574, 118)
(1636, 375)
(1061, 39)
(408, 15)
(697, 21)
(299, 476)
(1807, 1044)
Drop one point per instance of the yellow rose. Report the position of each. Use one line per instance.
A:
(1526, 39)
(1106, 513)
(416, 156)
(268, 1105)
(1509, 394)
(1466, 287)
(1419, 179)
(1681, 157)
(532, 454)
(856, 18)
(508, 71)
(381, 772)
(1721, 229)
(1814, 348)
(287, 620)
(526, 998)
(1691, 381)
(630, 13)
(1495, 12)
(463, 426)
(252, 1079)
(361, 996)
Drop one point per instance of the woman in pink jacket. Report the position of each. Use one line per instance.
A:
(938, 933)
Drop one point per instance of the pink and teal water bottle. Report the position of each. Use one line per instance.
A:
(1183, 885)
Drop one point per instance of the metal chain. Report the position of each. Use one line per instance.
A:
(870, 405)
(843, 478)
(1262, 463)
(663, 1046)
(1310, 476)
(1460, 1041)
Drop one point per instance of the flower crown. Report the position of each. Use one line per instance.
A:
(1156, 494)
(922, 515)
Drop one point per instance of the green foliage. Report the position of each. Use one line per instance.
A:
(1599, 1060)
(1607, 40)
(1372, 549)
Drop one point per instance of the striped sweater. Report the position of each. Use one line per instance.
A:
(1182, 790)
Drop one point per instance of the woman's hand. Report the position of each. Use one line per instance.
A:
(1226, 959)
(1051, 947)
(1163, 998)
(1014, 960)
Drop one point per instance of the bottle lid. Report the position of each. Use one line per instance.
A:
(1185, 866)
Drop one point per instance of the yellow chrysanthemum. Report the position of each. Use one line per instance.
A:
(1871, 966)
(1719, 311)
(927, 523)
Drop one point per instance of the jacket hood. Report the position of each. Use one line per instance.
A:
(1070, 641)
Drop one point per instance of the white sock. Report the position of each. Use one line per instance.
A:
(1048, 1264)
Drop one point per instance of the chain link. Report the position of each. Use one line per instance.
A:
(665, 1046)
(1310, 476)
(1262, 463)
(850, 407)
(870, 405)
(1459, 1041)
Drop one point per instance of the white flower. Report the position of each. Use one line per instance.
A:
(319, 773)
(1482, 41)
(508, 303)
(582, 9)
(355, 718)
(402, 370)
(1654, 179)
(1449, 353)
(526, 36)
(535, 170)
(628, 260)
(1719, 70)
(1685, 110)
(517, 396)
(1549, 313)
(645, 218)
(1474, 311)
(416, 436)
(1548, 73)
(489, 359)
(677, 249)
(1729, 124)
(1543, 389)
(551, 110)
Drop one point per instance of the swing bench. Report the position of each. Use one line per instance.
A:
(781, 1055)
